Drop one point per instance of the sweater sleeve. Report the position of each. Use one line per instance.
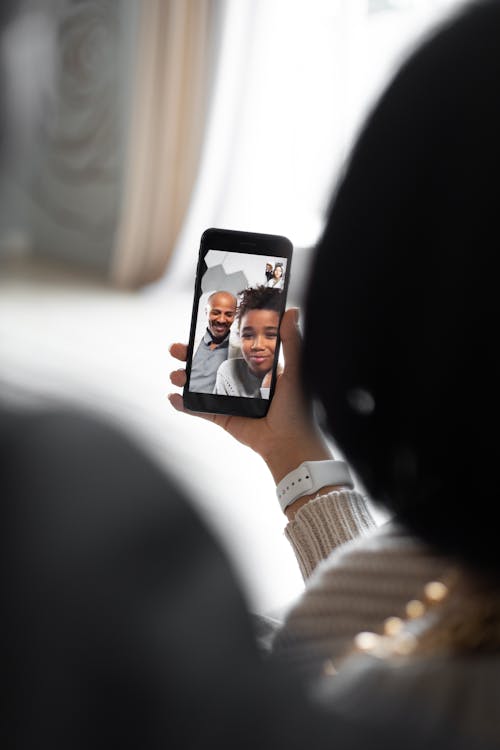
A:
(324, 524)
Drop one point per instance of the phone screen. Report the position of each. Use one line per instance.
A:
(240, 295)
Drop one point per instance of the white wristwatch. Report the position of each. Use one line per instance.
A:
(310, 477)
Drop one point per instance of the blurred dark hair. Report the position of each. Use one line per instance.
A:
(7, 11)
(7, 8)
(411, 245)
(259, 297)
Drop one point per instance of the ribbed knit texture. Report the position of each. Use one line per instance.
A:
(355, 584)
(325, 523)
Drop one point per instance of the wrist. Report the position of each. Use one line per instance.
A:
(292, 510)
(290, 454)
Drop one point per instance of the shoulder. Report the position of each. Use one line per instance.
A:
(388, 554)
(202, 340)
(110, 542)
(231, 367)
(356, 587)
(224, 370)
(229, 377)
(451, 693)
(70, 451)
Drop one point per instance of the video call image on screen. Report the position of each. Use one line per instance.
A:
(237, 324)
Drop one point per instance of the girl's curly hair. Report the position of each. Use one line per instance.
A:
(258, 298)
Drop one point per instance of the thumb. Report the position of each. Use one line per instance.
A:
(291, 339)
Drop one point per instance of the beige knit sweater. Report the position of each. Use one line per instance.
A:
(357, 575)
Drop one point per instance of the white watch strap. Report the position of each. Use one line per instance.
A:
(310, 477)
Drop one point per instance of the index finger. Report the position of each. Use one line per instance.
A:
(178, 351)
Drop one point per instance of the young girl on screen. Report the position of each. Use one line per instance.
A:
(258, 318)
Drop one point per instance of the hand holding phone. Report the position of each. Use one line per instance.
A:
(287, 434)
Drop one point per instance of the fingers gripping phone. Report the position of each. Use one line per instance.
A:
(239, 298)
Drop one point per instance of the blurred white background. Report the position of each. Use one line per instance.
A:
(131, 127)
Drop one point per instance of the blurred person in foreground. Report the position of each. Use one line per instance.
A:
(408, 388)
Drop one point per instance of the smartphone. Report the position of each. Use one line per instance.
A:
(240, 292)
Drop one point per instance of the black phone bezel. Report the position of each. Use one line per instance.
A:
(255, 243)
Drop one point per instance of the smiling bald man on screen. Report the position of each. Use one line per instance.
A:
(214, 346)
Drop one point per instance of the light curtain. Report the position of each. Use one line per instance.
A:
(294, 82)
(169, 108)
